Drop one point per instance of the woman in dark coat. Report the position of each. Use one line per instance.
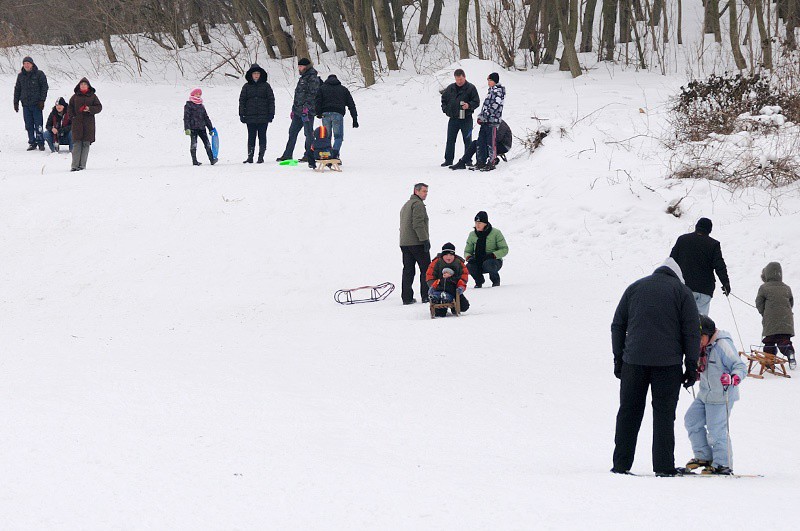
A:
(256, 109)
(83, 105)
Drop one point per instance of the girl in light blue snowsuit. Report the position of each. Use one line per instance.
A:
(706, 419)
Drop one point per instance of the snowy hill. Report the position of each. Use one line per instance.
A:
(173, 358)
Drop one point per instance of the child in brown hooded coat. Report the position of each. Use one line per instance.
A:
(774, 302)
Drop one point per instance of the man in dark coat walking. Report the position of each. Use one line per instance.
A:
(415, 243)
(257, 110)
(655, 329)
(332, 98)
(303, 111)
(699, 256)
(459, 101)
(31, 91)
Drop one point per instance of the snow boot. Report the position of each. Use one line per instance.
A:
(250, 151)
(446, 164)
(459, 166)
(622, 472)
(412, 301)
(282, 158)
(195, 162)
(790, 357)
(304, 159)
(31, 147)
(488, 167)
(717, 471)
(261, 151)
(695, 463)
(41, 147)
(675, 472)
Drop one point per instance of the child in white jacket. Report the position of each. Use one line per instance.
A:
(720, 371)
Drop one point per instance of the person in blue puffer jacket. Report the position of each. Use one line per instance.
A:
(720, 372)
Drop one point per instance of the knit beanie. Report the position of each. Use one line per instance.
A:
(448, 248)
(195, 96)
(62, 102)
(494, 76)
(482, 216)
(707, 326)
(703, 225)
(28, 59)
(304, 62)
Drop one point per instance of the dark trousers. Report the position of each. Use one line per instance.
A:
(201, 133)
(665, 385)
(472, 149)
(487, 144)
(489, 265)
(294, 129)
(413, 256)
(254, 130)
(779, 342)
(454, 126)
(33, 124)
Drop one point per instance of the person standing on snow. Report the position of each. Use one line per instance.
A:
(489, 119)
(774, 302)
(447, 279)
(83, 105)
(655, 329)
(303, 110)
(721, 371)
(332, 98)
(257, 110)
(698, 256)
(459, 101)
(195, 123)
(485, 250)
(415, 243)
(31, 90)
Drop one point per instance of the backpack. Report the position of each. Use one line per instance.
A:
(321, 145)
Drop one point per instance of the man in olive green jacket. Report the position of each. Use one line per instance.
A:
(415, 243)
(485, 250)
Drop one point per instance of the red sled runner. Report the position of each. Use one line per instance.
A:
(376, 293)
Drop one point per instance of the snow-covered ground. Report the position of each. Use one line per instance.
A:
(172, 356)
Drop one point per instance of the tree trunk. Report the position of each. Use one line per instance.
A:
(276, 31)
(569, 58)
(552, 33)
(433, 24)
(625, 19)
(423, 17)
(385, 27)
(478, 29)
(463, 43)
(333, 18)
(655, 16)
(397, 16)
(763, 32)
(112, 56)
(298, 29)
(588, 25)
(680, 22)
(741, 64)
(362, 47)
(608, 40)
(307, 15)
(792, 14)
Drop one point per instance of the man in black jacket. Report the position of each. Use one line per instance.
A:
(504, 140)
(699, 255)
(303, 111)
(655, 329)
(459, 100)
(31, 90)
(332, 98)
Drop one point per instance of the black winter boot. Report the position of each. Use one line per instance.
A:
(460, 165)
(249, 159)
(194, 157)
(211, 158)
(261, 150)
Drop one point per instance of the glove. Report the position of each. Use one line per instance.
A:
(187, 132)
(480, 121)
(459, 290)
(355, 123)
(85, 108)
(690, 374)
(726, 289)
(426, 245)
(16, 106)
(40, 105)
(618, 368)
(291, 115)
(727, 380)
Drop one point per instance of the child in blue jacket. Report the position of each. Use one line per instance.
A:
(720, 371)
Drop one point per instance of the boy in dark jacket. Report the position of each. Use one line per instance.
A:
(774, 302)
(447, 279)
(195, 123)
(58, 128)
(332, 98)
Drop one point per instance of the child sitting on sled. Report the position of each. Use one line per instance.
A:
(321, 147)
(447, 279)
(720, 371)
(195, 122)
(774, 302)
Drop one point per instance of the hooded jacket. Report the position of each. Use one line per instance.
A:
(492, 110)
(699, 255)
(305, 93)
(31, 87)
(656, 322)
(775, 302)
(332, 96)
(453, 95)
(722, 359)
(83, 126)
(256, 101)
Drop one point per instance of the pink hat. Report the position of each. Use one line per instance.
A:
(194, 96)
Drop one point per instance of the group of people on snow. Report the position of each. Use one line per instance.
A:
(70, 123)
(459, 102)
(660, 326)
(445, 277)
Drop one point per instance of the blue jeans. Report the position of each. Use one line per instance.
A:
(438, 296)
(454, 126)
(33, 124)
(708, 431)
(487, 142)
(294, 129)
(335, 124)
(703, 302)
(50, 139)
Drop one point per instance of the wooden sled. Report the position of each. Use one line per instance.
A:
(766, 362)
(332, 164)
(376, 293)
(455, 305)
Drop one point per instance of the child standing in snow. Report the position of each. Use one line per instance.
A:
(720, 371)
(774, 302)
(195, 122)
